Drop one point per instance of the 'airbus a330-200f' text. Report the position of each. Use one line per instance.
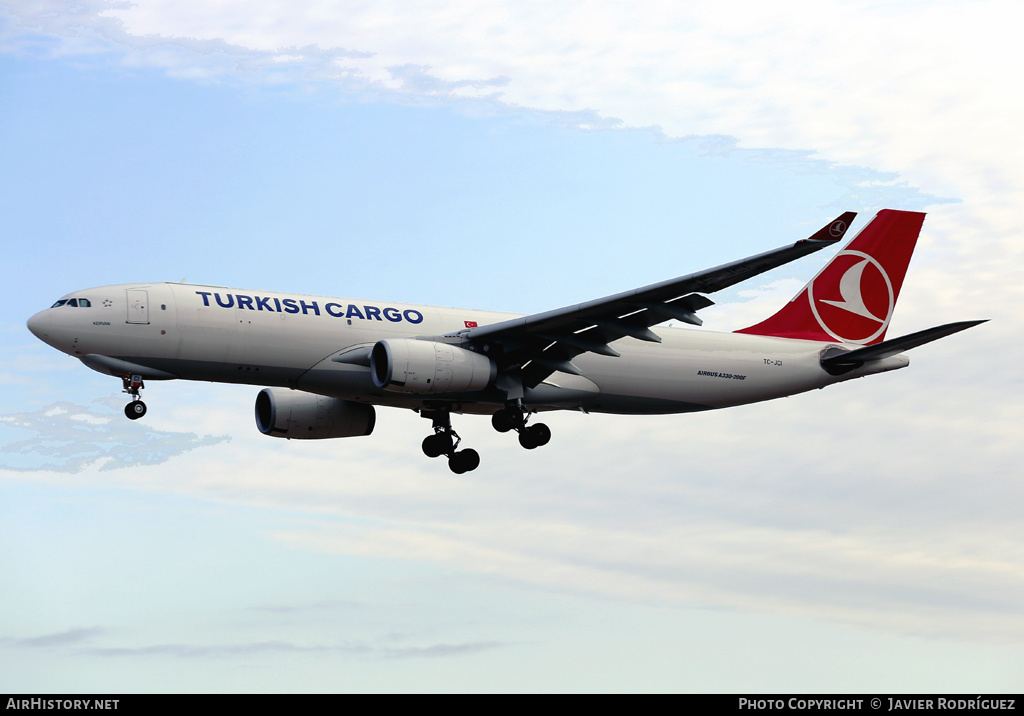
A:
(327, 362)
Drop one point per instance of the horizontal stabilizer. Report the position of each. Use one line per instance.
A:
(848, 360)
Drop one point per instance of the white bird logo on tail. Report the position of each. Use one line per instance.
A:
(849, 289)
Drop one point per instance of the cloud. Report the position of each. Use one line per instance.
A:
(880, 91)
(224, 651)
(199, 651)
(417, 79)
(73, 640)
(317, 607)
(419, 55)
(59, 639)
(857, 505)
(230, 651)
(65, 437)
(443, 650)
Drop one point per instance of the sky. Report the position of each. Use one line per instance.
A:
(516, 157)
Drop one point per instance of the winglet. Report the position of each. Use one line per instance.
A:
(833, 231)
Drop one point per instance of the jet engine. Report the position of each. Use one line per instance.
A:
(407, 365)
(306, 416)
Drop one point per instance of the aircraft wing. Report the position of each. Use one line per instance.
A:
(543, 343)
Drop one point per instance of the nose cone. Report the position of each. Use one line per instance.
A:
(39, 324)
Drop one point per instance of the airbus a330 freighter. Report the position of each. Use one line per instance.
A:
(329, 361)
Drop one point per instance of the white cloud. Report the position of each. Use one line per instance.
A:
(918, 88)
(858, 504)
(904, 86)
(69, 438)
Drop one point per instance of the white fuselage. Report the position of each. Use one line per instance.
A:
(274, 339)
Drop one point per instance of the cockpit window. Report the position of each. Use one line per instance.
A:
(73, 302)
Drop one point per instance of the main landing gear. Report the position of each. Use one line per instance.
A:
(135, 409)
(513, 417)
(444, 441)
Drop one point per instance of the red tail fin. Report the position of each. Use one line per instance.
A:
(853, 297)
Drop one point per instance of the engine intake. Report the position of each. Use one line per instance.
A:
(307, 416)
(410, 366)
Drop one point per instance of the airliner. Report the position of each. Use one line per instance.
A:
(324, 363)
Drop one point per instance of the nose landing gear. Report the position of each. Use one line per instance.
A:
(445, 440)
(513, 417)
(135, 409)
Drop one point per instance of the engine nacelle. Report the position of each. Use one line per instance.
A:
(407, 365)
(307, 416)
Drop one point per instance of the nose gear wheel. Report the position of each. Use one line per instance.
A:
(132, 386)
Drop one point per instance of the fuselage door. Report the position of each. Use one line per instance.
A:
(138, 305)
